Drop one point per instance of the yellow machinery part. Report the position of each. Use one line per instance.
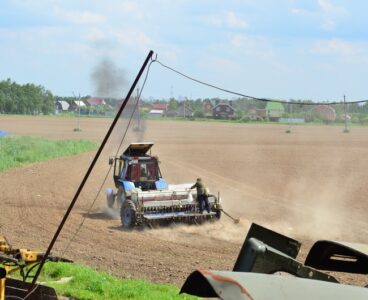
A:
(29, 256)
(2, 283)
(4, 245)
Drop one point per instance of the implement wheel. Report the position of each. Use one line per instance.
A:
(218, 212)
(128, 214)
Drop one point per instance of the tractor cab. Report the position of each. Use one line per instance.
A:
(137, 169)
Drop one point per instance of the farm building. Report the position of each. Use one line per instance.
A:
(61, 106)
(160, 106)
(156, 113)
(94, 101)
(184, 111)
(342, 117)
(223, 110)
(274, 110)
(325, 113)
(75, 104)
(257, 114)
(208, 106)
(171, 113)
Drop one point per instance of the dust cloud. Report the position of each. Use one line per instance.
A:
(307, 185)
(110, 213)
(224, 230)
(313, 199)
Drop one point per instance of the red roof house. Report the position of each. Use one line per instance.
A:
(160, 106)
(325, 112)
(94, 101)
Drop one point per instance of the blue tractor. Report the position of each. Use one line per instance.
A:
(144, 197)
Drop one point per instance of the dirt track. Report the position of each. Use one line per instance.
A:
(310, 184)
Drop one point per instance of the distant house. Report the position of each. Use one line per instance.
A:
(95, 101)
(184, 111)
(208, 106)
(274, 110)
(171, 113)
(156, 113)
(223, 110)
(325, 112)
(75, 104)
(61, 106)
(342, 117)
(160, 106)
(258, 114)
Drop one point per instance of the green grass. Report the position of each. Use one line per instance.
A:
(87, 283)
(17, 151)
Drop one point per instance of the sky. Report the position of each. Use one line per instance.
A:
(286, 49)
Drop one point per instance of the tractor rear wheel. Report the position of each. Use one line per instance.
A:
(128, 214)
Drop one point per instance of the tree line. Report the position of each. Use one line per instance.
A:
(25, 99)
(35, 99)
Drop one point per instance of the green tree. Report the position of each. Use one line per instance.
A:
(173, 104)
(25, 99)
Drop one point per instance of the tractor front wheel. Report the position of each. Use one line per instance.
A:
(128, 214)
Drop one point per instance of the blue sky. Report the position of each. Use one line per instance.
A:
(315, 49)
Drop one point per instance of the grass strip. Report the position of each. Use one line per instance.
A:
(17, 151)
(87, 283)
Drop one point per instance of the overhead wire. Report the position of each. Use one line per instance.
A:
(109, 170)
(248, 96)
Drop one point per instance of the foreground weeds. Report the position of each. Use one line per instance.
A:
(86, 283)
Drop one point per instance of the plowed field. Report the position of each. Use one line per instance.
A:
(309, 184)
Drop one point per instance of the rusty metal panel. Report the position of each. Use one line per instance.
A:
(282, 243)
(17, 289)
(339, 256)
(252, 286)
(261, 258)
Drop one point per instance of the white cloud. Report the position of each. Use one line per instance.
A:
(82, 17)
(220, 64)
(252, 46)
(233, 21)
(96, 35)
(228, 19)
(334, 46)
(32, 34)
(343, 50)
(327, 14)
(331, 14)
(132, 8)
(134, 39)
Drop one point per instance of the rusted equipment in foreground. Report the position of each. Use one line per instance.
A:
(266, 252)
(24, 261)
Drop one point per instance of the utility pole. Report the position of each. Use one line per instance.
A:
(290, 117)
(88, 173)
(139, 109)
(346, 129)
(78, 119)
(184, 107)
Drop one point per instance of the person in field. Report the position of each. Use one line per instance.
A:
(202, 195)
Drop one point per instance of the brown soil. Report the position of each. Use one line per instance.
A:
(309, 184)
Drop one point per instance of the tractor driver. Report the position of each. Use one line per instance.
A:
(202, 195)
